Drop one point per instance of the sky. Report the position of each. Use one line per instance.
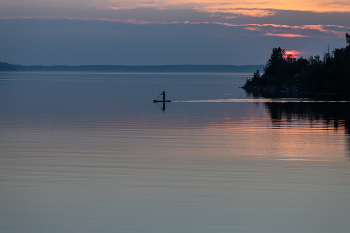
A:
(167, 32)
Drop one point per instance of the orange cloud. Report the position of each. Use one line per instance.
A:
(238, 11)
(254, 8)
(285, 35)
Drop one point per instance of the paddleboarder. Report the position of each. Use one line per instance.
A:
(163, 100)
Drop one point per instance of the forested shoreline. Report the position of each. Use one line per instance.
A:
(134, 68)
(287, 74)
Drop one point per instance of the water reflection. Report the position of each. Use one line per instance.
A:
(92, 153)
(332, 111)
(161, 105)
(334, 115)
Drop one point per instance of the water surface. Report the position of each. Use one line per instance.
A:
(91, 152)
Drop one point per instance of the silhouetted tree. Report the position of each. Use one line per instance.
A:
(330, 74)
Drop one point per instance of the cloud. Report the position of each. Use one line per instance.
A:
(255, 8)
(127, 21)
(328, 29)
(284, 30)
(245, 12)
(277, 30)
(285, 35)
(222, 8)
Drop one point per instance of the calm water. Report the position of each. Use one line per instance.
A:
(90, 152)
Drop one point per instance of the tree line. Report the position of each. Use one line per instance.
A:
(285, 73)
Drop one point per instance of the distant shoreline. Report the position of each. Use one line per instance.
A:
(138, 69)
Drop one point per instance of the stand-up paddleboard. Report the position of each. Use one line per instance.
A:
(161, 101)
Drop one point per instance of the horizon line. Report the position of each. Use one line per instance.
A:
(1, 62)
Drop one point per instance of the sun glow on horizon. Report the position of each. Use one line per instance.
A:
(292, 53)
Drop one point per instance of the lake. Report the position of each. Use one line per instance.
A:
(91, 152)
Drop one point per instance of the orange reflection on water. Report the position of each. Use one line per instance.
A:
(278, 140)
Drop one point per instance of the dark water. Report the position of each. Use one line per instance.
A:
(90, 152)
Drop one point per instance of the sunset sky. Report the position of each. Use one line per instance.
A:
(167, 32)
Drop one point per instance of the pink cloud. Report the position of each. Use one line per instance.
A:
(285, 35)
(252, 28)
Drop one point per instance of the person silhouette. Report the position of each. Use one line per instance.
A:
(163, 94)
